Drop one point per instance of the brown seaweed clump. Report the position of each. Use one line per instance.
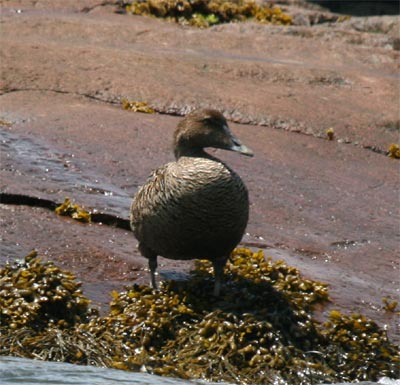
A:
(357, 339)
(204, 13)
(259, 331)
(34, 293)
(67, 208)
(136, 106)
(394, 151)
(330, 133)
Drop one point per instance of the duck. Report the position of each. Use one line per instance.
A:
(196, 207)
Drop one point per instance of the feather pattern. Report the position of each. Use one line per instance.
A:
(192, 208)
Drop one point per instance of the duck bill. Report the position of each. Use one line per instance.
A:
(242, 149)
(237, 146)
(234, 144)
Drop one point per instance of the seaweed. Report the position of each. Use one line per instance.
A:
(137, 106)
(205, 13)
(35, 293)
(330, 133)
(362, 349)
(73, 210)
(394, 151)
(6, 123)
(259, 331)
(389, 305)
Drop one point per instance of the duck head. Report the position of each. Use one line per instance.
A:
(205, 128)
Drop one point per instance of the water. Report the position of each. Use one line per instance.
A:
(24, 371)
(15, 370)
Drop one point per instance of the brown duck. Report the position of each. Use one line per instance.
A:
(195, 207)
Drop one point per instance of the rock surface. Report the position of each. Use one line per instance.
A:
(327, 207)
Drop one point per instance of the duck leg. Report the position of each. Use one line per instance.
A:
(219, 265)
(153, 267)
(152, 257)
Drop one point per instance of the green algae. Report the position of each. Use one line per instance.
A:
(259, 331)
(205, 13)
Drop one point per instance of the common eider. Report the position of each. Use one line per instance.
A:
(196, 207)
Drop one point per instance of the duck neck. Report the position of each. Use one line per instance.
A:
(197, 152)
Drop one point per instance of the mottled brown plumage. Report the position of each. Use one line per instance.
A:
(195, 207)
